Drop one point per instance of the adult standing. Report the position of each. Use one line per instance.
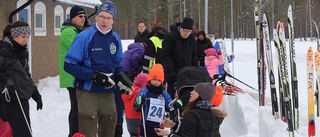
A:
(143, 34)
(153, 53)
(202, 43)
(94, 59)
(178, 51)
(69, 30)
(15, 79)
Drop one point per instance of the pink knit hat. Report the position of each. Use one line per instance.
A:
(142, 80)
(210, 52)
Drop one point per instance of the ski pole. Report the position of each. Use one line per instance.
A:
(240, 81)
(143, 121)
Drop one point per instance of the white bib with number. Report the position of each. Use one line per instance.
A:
(156, 110)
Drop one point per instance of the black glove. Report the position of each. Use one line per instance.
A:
(103, 79)
(10, 85)
(39, 104)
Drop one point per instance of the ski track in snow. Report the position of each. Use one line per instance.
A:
(245, 118)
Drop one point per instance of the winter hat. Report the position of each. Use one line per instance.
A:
(210, 52)
(201, 33)
(187, 23)
(142, 80)
(156, 72)
(109, 7)
(75, 11)
(205, 90)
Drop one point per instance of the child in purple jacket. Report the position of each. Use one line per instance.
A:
(132, 60)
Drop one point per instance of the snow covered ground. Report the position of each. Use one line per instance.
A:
(244, 118)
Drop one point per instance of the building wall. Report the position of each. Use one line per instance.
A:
(44, 48)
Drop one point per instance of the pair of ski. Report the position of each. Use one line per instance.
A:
(310, 76)
(284, 89)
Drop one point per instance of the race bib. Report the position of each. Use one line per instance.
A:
(156, 110)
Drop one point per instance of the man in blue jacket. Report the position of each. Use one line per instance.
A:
(94, 59)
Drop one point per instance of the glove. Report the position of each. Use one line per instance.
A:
(10, 85)
(219, 53)
(122, 87)
(178, 104)
(103, 79)
(39, 104)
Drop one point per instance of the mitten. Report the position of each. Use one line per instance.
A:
(39, 104)
(103, 79)
(122, 87)
(219, 53)
(138, 100)
(178, 104)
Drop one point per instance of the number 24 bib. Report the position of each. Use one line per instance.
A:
(156, 110)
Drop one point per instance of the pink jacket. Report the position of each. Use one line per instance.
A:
(212, 63)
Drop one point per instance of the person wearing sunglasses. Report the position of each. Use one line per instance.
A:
(69, 30)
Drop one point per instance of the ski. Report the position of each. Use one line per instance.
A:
(294, 79)
(285, 80)
(259, 53)
(316, 94)
(311, 120)
(266, 41)
(277, 45)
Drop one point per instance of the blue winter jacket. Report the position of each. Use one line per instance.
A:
(93, 51)
(230, 59)
(146, 95)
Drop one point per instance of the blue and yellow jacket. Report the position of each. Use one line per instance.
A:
(93, 51)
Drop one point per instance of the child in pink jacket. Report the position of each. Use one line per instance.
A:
(212, 61)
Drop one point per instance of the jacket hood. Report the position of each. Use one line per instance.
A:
(67, 23)
(135, 46)
(186, 77)
(159, 32)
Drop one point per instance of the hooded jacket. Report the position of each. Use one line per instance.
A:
(177, 52)
(132, 58)
(14, 65)
(68, 32)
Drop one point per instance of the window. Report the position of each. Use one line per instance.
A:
(58, 19)
(68, 13)
(40, 19)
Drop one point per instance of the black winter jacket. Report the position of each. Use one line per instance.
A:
(197, 123)
(142, 37)
(177, 52)
(202, 45)
(14, 65)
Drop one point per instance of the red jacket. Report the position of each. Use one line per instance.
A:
(128, 101)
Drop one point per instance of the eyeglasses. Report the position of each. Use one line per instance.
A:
(105, 18)
(81, 16)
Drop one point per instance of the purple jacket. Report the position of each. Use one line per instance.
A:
(132, 57)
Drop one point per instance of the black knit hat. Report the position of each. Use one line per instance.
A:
(205, 90)
(75, 11)
(187, 23)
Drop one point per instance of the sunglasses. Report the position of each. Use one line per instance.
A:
(81, 16)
